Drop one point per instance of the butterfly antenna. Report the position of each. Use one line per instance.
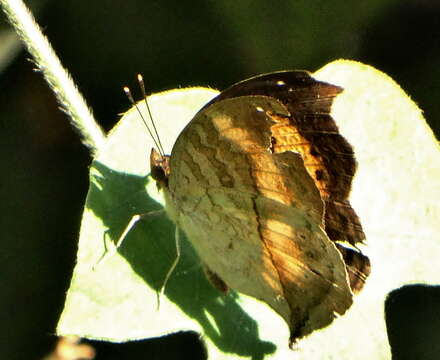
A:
(144, 94)
(131, 99)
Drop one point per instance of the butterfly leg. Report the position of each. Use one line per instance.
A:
(173, 266)
(108, 253)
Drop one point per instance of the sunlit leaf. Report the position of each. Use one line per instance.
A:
(394, 192)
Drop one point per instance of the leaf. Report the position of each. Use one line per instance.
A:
(394, 193)
(118, 300)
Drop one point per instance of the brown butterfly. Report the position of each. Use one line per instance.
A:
(259, 182)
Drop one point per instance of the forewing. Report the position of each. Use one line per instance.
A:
(313, 133)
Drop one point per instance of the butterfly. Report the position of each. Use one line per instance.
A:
(259, 182)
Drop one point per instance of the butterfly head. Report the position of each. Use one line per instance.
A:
(160, 168)
(159, 162)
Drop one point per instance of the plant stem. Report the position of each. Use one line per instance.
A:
(68, 96)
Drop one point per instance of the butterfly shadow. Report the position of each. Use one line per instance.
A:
(149, 248)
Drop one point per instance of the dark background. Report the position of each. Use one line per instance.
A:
(175, 43)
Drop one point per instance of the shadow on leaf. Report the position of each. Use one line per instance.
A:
(149, 248)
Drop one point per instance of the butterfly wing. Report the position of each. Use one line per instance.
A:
(254, 214)
(311, 131)
(328, 157)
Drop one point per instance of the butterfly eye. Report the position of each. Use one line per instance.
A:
(159, 175)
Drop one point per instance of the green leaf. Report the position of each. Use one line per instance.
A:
(117, 300)
(394, 192)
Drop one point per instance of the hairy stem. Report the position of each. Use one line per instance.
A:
(68, 96)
